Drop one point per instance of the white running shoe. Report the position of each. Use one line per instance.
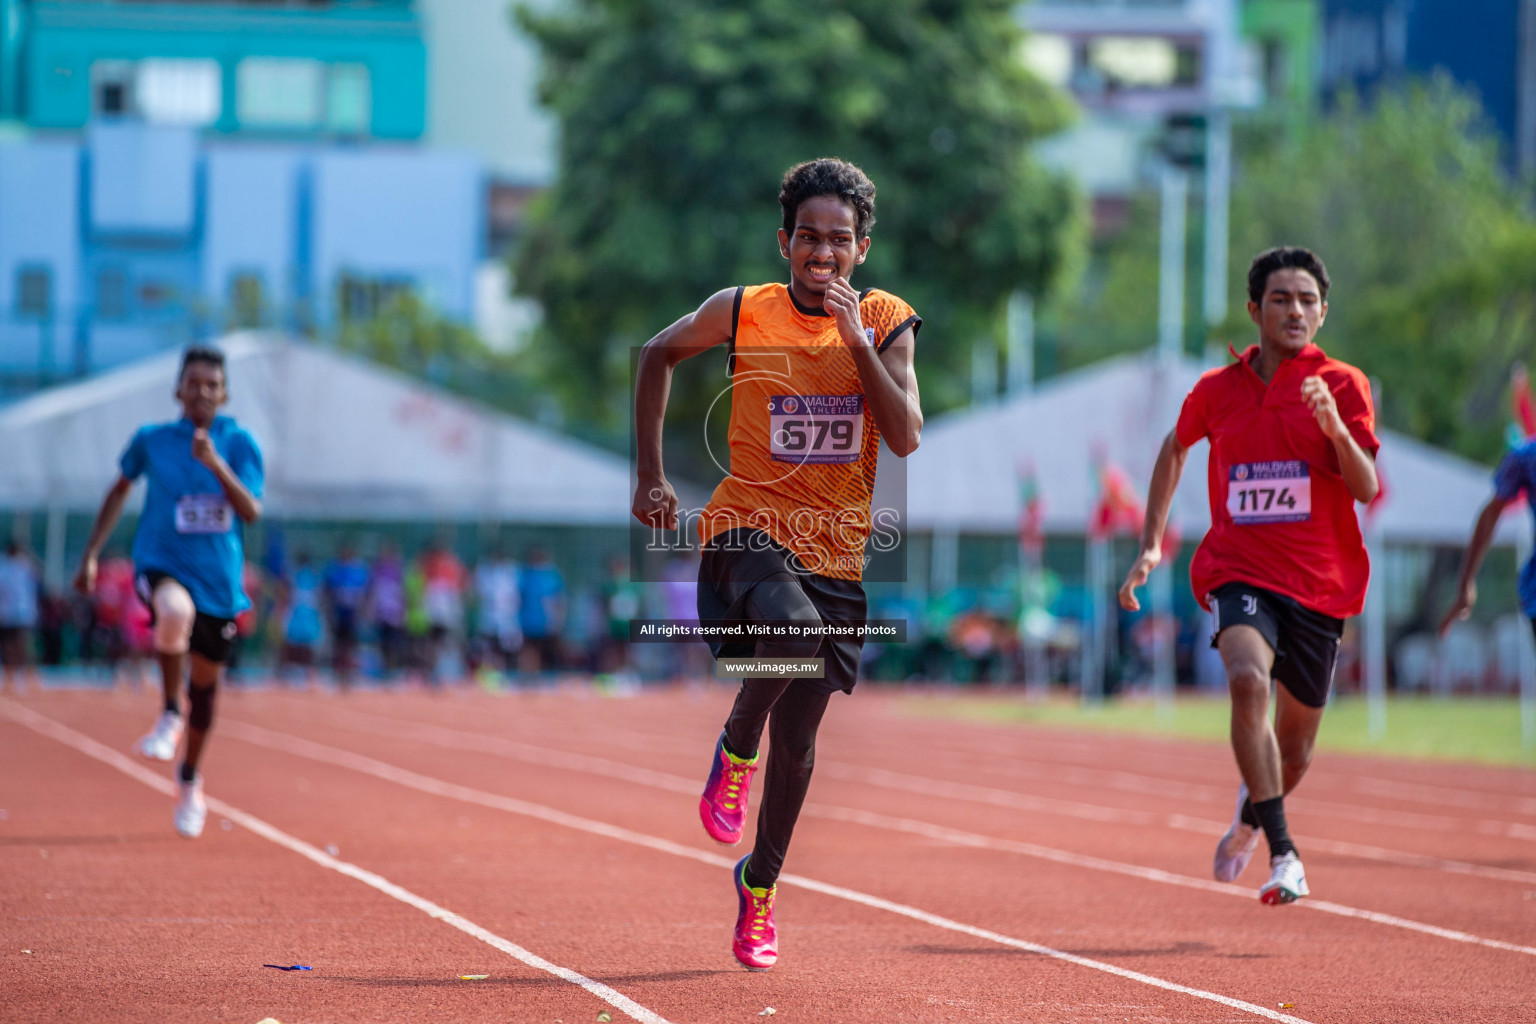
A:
(191, 811)
(163, 739)
(1236, 847)
(1287, 880)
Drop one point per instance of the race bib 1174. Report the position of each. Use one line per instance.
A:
(1269, 492)
(816, 428)
(204, 513)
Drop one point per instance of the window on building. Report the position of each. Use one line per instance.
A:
(278, 92)
(363, 298)
(246, 301)
(111, 293)
(1135, 61)
(34, 291)
(112, 88)
(348, 99)
(157, 294)
(179, 91)
(1048, 56)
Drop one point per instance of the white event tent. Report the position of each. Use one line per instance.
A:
(342, 438)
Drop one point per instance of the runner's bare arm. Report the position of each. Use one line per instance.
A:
(1165, 480)
(655, 501)
(106, 521)
(889, 378)
(246, 505)
(1355, 463)
(1472, 561)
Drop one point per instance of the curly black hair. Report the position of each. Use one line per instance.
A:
(202, 354)
(1282, 257)
(829, 176)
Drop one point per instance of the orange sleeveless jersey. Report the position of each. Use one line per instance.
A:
(804, 445)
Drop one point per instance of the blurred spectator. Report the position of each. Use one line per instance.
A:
(621, 603)
(19, 616)
(417, 624)
(302, 625)
(498, 620)
(386, 606)
(248, 623)
(680, 599)
(444, 580)
(543, 611)
(110, 603)
(345, 585)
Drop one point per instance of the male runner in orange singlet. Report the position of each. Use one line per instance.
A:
(1293, 447)
(820, 374)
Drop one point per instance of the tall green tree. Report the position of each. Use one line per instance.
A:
(1406, 200)
(678, 118)
(1429, 244)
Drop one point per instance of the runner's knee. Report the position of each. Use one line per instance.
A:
(1249, 684)
(174, 615)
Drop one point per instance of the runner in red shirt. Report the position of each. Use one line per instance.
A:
(1293, 447)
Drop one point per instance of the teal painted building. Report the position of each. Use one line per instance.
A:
(343, 68)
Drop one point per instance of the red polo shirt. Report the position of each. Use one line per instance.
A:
(1281, 515)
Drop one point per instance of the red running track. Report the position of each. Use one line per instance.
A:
(943, 871)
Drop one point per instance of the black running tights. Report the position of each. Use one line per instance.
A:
(791, 709)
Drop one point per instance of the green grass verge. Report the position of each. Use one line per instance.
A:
(1482, 729)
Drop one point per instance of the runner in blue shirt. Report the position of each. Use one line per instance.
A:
(204, 477)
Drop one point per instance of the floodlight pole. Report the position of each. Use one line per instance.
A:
(1218, 191)
(1170, 275)
(1374, 645)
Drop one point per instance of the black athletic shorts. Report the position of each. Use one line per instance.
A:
(212, 637)
(1305, 642)
(738, 560)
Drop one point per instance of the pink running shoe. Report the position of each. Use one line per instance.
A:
(723, 807)
(756, 943)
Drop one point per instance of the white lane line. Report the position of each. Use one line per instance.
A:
(91, 748)
(1443, 796)
(677, 784)
(957, 837)
(437, 787)
(1142, 784)
(458, 739)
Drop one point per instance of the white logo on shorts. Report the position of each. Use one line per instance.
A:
(1250, 604)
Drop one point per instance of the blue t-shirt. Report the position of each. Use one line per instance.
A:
(347, 583)
(189, 531)
(1517, 472)
(541, 587)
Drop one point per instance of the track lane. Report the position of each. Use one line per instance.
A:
(1180, 938)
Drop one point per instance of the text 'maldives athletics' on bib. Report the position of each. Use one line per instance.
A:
(816, 428)
(188, 529)
(1269, 492)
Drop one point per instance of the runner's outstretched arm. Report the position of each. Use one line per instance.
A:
(246, 505)
(1165, 480)
(1477, 548)
(711, 324)
(889, 378)
(106, 521)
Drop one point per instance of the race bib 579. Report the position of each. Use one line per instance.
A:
(816, 428)
(1269, 492)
